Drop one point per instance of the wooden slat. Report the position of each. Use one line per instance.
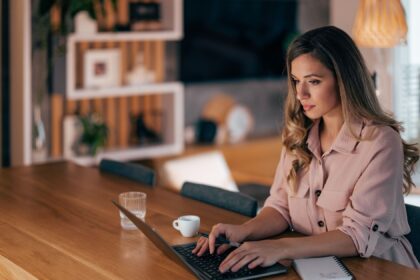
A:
(110, 119)
(97, 104)
(80, 52)
(71, 107)
(123, 122)
(110, 114)
(147, 104)
(134, 100)
(56, 124)
(122, 12)
(123, 112)
(84, 104)
(159, 66)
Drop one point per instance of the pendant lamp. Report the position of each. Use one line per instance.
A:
(380, 24)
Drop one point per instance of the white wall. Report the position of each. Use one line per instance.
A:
(413, 33)
(342, 15)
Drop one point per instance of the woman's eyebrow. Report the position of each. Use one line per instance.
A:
(309, 75)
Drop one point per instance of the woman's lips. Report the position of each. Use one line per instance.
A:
(307, 107)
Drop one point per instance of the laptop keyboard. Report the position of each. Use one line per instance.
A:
(208, 264)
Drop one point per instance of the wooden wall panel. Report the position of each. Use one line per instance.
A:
(159, 67)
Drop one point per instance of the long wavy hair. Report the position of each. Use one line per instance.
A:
(336, 51)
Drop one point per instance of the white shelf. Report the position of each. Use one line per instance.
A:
(133, 153)
(173, 101)
(172, 92)
(166, 35)
(146, 89)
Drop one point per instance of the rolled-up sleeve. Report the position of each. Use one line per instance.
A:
(371, 209)
(278, 198)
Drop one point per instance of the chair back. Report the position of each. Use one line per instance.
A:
(132, 171)
(413, 216)
(232, 201)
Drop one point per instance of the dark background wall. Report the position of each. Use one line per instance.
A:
(262, 92)
(4, 84)
(236, 39)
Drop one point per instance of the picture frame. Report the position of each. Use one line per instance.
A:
(102, 68)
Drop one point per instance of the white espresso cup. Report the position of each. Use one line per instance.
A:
(188, 225)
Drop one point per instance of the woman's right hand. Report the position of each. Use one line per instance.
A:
(234, 233)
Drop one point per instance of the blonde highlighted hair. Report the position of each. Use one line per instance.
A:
(336, 51)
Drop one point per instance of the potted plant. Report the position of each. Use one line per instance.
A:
(94, 135)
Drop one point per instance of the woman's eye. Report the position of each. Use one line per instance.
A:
(314, 82)
(295, 81)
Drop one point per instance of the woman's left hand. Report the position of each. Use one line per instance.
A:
(253, 254)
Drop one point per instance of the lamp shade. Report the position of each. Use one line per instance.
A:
(380, 24)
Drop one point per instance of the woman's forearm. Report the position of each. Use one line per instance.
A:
(333, 242)
(267, 223)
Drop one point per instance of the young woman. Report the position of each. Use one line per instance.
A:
(342, 171)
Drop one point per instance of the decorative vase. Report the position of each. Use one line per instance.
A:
(39, 139)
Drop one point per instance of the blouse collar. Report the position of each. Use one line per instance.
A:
(345, 142)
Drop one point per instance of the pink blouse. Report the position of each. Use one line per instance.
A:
(355, 187)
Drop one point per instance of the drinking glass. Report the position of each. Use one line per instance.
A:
(135, 202)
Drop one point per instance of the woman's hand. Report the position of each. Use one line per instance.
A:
(234, 233)
(255, 253)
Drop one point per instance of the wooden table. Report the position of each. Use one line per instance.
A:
(57, 222)
(252, 161)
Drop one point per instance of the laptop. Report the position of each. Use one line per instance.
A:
(204, 267)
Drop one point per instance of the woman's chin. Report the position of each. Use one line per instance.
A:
(311, 115)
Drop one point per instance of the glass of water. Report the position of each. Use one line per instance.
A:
(135, 202)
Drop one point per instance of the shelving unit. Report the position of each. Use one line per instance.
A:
(118, 103)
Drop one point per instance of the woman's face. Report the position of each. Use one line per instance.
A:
(316, 87)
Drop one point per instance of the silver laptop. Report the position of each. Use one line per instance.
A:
(204, 267)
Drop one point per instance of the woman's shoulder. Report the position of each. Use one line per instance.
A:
(381, 135)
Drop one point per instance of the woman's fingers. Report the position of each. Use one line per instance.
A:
(243, 262)
(255, 263)
(215, 232)
(231, 259)
(204, 247)
(202, 242)
(222, 248)
(237, 259)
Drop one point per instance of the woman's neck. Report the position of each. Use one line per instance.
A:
(329, 128)
(331, 123)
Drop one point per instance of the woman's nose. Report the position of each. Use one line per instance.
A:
(302, 92)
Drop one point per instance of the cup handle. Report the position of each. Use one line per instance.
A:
(175, 224)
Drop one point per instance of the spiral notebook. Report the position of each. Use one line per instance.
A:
(322, 268)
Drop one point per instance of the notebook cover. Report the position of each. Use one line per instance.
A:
(322, 268)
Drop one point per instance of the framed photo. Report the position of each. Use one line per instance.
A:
(102, 68)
